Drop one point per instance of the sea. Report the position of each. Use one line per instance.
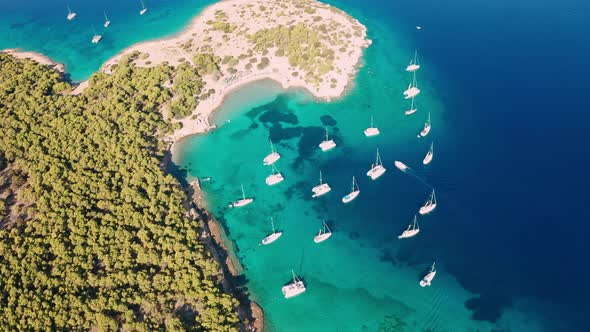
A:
(505, 85)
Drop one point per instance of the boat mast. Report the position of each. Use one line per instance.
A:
(326, 227)
(69, 10)
(326, 134)
(378, 161)
(243, 194)
(142, 5)
(433, 198)
(428, 119)
(412, 106)
(105, 16)
(294, 277)
(371, 120)
(273, 225)
(320, 177)
(353, 183)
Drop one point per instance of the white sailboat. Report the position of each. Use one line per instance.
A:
(107, 22)
(372, 131)
(273, 236)
(275, 177)
(402, 167)
(429, 205)
(353, 193)
(412, 90)
(242, 202)
(426, 129)
(427, 280)
(413, 109)
(377, 168)
(143, 9)
(323, 234)
(71, 14)
(327, 144)
(429, 155)
(412, 230)
(293, 289)
(414, 64)
(96, 38)
(272, 157)
(320, 189)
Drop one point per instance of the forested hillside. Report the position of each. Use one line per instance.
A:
(93, 234)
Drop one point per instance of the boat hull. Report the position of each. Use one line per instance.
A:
(271, 159)
(412, 111)
(375, 172)
(426, 209)
(293, 289)
(271, 180)
(321, 237)
(350, 197)
(411, 92)
(425, 131)
(271, 238)
(427, 280)
(320, 190)
(401, 166)
(327, 145)
(372, 131)
(427, 159)
(407, 234)
(243, 202)
(412, 68)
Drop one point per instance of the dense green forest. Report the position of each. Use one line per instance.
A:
(93, 233)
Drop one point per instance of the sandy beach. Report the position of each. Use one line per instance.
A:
(37, 57)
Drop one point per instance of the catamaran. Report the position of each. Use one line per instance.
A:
(272, 157)
(320, 189)
(412, 90)
(414, 64)
(429, 205)
(242, 202)
(273, 236)
(429, 155)
(71, 14)
(143, 9)
(413, 230)
(323, 234)
(327, 144)
(275, 177)
(413, 109)
(427, 280)
(426, 129)
(107, 22)
(293, 289)
(96, 38)
(371, 131)
(354, 192)
(377, 168)
(402, 167)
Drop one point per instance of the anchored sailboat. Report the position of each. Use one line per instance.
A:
(327, 144)
(414, 64)
(295, 288)
(371, 131)
(71, 14)
(429, 205)
(96, 38)
(272, 157)
(275, 177)
(377, 168)
(429, 155)
(242, 202)
(427, 280)
(426, 129)
(273, 236)
(107, 22)
(143, 9)
(413, 109)
(412, 90)
(353, 193)
(323, 234)
(320, 189)
(413, 230)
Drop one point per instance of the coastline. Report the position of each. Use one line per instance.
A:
(35, 56)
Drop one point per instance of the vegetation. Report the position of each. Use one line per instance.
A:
(187, 86)
(206, 63)
(104, 243)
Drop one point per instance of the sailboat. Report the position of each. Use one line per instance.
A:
(323, 234)
(412, 109)
(414, 64)
(143, 9)
(275, 177)
(107, 22)
(293, 289)
(426, 129)
(412, 90)
(327, 144)
(320, 189)
(402, 167)
(429, 155)
(273, 236)
(272, 157)
(427, 280)
(96, 38)
(377, 168)
(412, 230)
(354, 192)
(242, 202)
(71, 14)
(371, 131)
(429, 205)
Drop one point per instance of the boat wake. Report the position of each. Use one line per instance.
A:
(406, 169)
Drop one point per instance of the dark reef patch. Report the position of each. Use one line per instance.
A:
(328, 120)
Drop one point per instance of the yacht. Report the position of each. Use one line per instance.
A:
(412, 90)
(402, 167)
(96, 38)
(354, 192)
(143, 9)
(293, 289)
(323, 234)
(429, 205)
(427, 280)
(413, 109)
(429, 155)
(414, 64)
(242, 202)
(320, 189)
(272, 157)
(377, 168)
(328, 144)
(71, 14)
(412, 230)
(275, 177)
(371, 131)
(273, 236)
(107, 22)
(426, 129)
